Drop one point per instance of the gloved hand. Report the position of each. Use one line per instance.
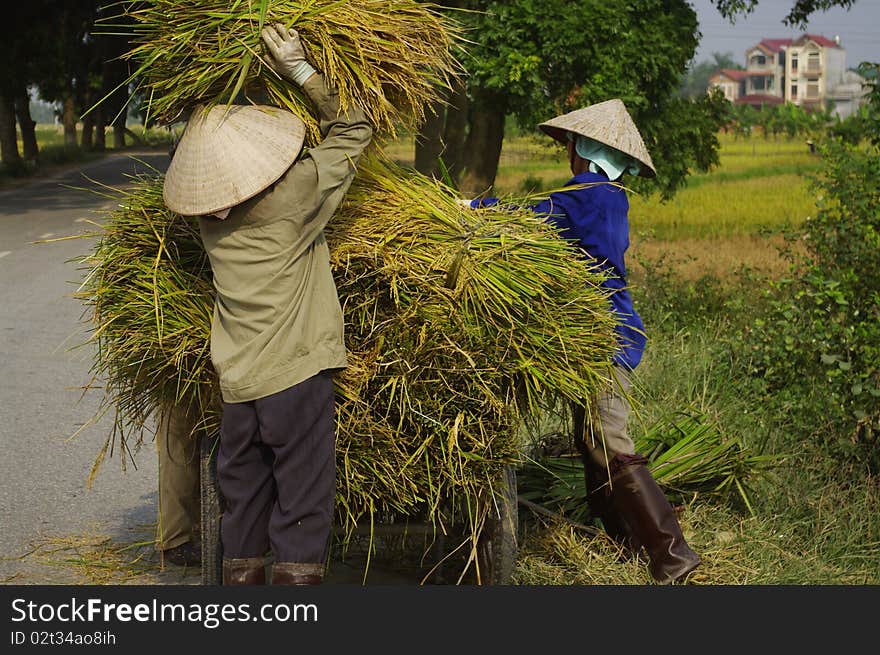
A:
(287, 55)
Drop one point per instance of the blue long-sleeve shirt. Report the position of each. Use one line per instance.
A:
(596, 219)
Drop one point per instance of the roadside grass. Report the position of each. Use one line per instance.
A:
(735, 549)
(54, 153)
(53, 135)
(817, 519)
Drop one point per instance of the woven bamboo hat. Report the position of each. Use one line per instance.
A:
(607, 122)
(229, 154)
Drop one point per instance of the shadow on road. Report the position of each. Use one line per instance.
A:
(76, 189)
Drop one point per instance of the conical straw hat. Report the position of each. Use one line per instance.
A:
(229, 154)
(607, 122)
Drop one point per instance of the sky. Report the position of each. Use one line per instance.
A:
(858, 28)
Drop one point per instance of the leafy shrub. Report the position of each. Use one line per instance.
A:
(663, 295)
(818, 346)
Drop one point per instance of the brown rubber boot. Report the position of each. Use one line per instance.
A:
(244, 571)
(647, 512)
(297, 573)
(600, 502)
(596, 479)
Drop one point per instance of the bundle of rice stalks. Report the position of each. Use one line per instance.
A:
(148, 295)
(460, 325)
(687, 453)
(463, 324)
(390, 57)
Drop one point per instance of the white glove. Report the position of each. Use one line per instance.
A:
(287, 55)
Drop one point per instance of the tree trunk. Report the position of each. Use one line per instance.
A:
(9, 155)
(27, 125)
(119, 131)
(86, 141)
(483, 146)
(455, 133)
(100, 129)
(429, 140)
(68, 119)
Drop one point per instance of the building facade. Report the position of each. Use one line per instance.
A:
(809, 71)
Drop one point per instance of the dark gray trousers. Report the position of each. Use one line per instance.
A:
(277, 471)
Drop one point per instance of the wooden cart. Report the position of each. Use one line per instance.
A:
(496, 552)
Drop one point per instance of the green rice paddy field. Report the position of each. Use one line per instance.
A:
(721, 221)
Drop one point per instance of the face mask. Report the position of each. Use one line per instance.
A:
(605, 159)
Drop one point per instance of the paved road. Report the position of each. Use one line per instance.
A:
(42, 473)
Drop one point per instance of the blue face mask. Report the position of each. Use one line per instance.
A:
(605, 159)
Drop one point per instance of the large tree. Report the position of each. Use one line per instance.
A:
(534, 59)
(25, 36)
(68, 61)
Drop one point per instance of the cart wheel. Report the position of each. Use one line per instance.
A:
(212, 548)
(497, 547)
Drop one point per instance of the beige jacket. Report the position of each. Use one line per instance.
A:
(277, 319)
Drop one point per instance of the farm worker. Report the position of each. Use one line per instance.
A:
(277, 331)
(179, 493)
(603, 143)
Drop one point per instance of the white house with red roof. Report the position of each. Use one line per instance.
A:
(808, 71)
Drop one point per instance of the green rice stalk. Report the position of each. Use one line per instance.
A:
(687, 454)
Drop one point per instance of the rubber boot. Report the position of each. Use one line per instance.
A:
(297, 573)
(601, 505)
(642, 504)
(244, 571)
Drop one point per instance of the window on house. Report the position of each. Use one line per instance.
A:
(794, 90)
(812, 89)
(794, 63)
(813, 62)
(758, 83)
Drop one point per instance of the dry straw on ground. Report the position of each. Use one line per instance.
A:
(555, 553)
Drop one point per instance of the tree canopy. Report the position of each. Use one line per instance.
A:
(801, 10)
